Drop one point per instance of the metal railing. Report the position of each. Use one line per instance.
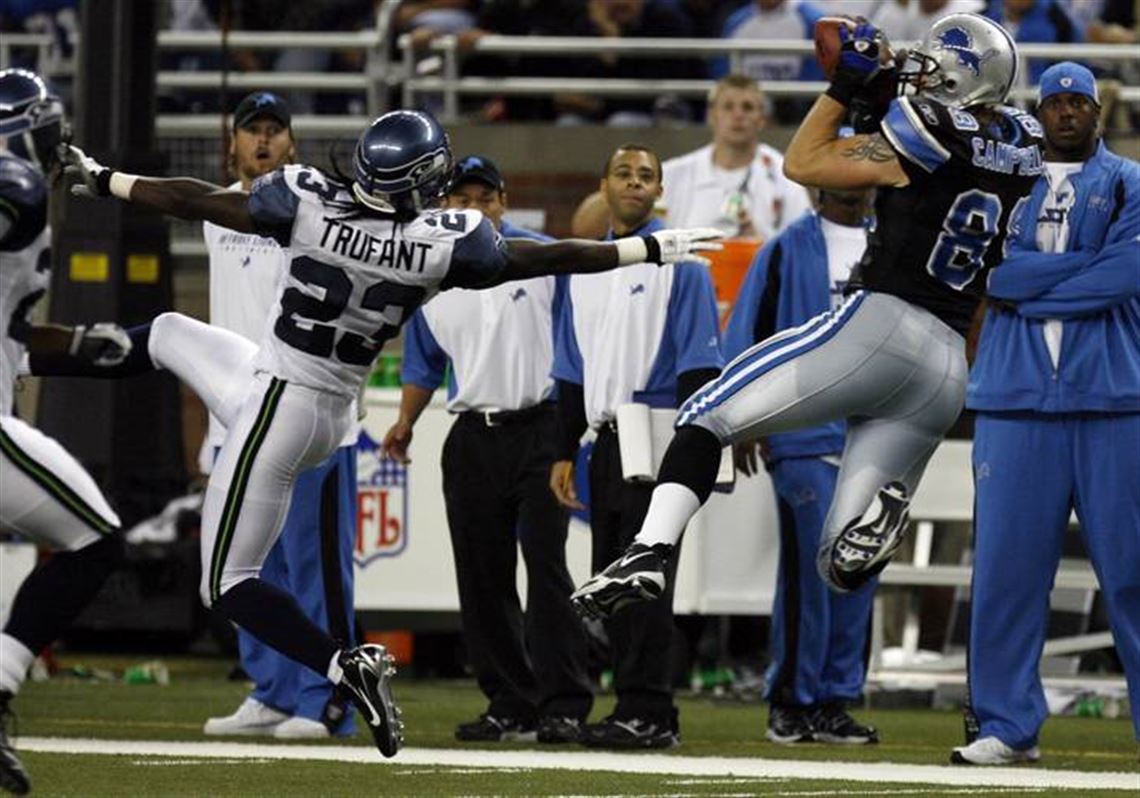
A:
(452, 85)
(380, 75)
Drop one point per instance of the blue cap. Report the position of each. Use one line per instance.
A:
(1067, 77)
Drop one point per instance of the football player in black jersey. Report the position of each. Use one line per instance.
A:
(950, 163)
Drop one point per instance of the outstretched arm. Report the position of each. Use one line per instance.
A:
(526, 259)
(184, 197)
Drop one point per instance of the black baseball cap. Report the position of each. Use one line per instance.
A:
(478, 169)
(262, 103)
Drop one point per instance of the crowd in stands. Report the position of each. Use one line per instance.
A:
(1036, 21)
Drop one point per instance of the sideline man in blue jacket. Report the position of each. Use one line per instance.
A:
(1056, 385)
(818, 636)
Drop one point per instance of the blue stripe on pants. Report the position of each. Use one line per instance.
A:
(767, 355)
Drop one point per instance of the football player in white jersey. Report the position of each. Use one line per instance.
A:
(288, 700)
(365, 252)
(45, 493)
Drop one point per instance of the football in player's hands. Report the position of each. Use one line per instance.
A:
(827, 42)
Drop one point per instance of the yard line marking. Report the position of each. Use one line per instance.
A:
(664, 764)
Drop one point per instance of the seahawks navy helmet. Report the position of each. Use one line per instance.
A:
(31, 117)
(964, 60)
(402, 163)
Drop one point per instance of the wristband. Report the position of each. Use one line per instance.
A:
(119, 183)
(841, 93)
(633, 249)
(77, 334)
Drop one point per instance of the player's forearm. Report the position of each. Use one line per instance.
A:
(572, 256)
(47, 339)
(194, 200)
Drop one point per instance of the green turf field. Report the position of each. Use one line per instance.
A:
(85, 708)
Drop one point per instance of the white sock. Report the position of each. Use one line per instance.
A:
(335, 672)
(15, 659)
(670, 509)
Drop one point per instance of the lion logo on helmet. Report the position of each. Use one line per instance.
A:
(960, 41)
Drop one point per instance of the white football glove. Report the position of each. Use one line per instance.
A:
(103, 344)
(95, 179)
(669, 246)
(680, 244)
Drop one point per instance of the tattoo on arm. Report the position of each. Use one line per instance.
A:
(873, 148)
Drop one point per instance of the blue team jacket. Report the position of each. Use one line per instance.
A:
(788, 283)
(1094, 288)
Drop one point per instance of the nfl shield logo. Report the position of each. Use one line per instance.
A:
(381, 504)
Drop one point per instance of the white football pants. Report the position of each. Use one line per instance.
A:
(274, 431)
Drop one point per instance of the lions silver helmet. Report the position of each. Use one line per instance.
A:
(965, 59)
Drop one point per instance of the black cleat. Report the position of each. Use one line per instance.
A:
(867, 544)
(629, 733)
(557, 729)
(638, 575)
(831, 724)
(13, 777)
(788, 725)
(368, 671)
(490, 728)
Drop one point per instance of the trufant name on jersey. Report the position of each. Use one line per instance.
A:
(997, 156)
(348, 241)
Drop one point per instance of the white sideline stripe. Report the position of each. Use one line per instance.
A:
(718, 767)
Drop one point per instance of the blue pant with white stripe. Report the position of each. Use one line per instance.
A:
(314, 548)
(1030, 471)
(819, 637)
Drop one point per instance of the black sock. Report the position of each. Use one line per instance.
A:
(692, 460)
(65, 365)
(273, 617)
(57, 591)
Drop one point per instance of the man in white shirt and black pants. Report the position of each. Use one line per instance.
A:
(498, 344)
(648, 335)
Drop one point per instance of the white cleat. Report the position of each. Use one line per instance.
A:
(298, 728)
(992, 751)
(252, 718)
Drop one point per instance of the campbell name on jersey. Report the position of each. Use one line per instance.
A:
(25, 260)
(355, 277)
(934, 240)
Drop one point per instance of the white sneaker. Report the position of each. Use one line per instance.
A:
(992, 751)
(298, 728)
(251, 718)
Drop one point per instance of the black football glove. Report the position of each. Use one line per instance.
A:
(859, 61)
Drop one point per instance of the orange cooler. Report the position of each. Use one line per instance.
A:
(729, 266)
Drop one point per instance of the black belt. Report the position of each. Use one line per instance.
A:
(497, 418)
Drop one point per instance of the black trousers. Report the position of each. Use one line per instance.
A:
(496, 485)
(641, 635)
